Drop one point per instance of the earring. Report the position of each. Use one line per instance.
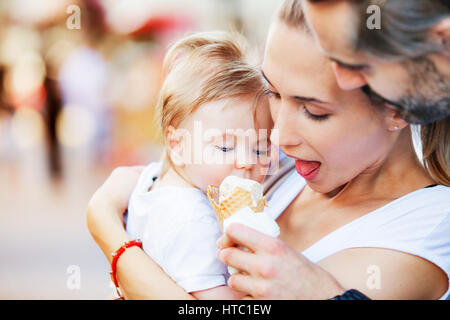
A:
(396, 128)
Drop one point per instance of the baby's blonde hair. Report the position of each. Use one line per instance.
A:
(201, 68)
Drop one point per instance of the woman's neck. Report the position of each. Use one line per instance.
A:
(392, 177)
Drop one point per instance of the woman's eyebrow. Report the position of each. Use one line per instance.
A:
(309, 99)
(298, 98)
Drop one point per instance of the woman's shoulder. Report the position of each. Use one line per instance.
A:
(426, 203)
(433, 192)
(418, 212)
(417, 224)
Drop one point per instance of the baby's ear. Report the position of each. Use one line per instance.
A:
(175, 145)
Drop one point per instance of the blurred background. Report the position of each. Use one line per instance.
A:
(78, 83)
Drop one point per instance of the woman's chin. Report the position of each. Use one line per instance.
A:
(321, 186)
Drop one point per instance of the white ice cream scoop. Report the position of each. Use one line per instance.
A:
(231, 182)
(260, 221)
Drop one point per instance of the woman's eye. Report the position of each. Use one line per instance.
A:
(271, 94)
(317, 117)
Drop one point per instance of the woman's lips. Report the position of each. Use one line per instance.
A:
(307, 169)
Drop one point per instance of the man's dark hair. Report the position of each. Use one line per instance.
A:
(292, 14)
(405, 28)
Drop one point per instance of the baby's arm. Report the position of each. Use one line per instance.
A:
(218, 293)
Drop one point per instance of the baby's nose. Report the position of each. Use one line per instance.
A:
(242, 173)
(244, 159)
(246, 164)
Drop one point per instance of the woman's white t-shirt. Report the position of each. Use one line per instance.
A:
(417, 223)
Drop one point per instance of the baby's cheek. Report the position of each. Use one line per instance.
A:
(213, 174)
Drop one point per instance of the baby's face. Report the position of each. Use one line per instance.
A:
(224, 141)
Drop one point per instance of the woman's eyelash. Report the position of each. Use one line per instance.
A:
(315, 117)
(310, 115)
(271, 94)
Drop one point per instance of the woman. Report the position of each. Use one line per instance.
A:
(365, 215)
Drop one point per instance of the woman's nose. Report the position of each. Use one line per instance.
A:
(348, 79)
(285, 131)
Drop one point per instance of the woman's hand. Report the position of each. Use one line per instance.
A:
(116, 190)
(107, 207)
(273, 270)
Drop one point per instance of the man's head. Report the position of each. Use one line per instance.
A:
(404, 60)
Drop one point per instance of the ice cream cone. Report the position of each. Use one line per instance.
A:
(239, 199)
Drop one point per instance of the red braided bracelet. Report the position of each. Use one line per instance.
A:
(116, 255)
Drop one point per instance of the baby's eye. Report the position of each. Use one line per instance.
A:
(261, 152)
(224, 149)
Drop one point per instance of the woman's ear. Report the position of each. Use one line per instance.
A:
(394, 121)
(174, 145)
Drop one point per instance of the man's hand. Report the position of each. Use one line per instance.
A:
(272, 270)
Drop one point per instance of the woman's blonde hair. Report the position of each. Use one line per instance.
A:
(434, 136)
(436, 150)
(201, 68)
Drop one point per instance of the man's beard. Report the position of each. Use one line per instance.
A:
(419, 110)
(428, 99)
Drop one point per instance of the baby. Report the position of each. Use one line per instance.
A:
(216, 122)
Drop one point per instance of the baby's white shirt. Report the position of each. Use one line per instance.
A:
(179, 229)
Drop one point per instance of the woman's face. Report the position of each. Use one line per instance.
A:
(334, 135)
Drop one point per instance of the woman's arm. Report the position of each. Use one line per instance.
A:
(387, 274)
(139, 277)
(275, 271)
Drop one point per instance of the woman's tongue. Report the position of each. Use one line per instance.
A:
(304, 168)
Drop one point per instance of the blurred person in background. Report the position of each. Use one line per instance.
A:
(84, 79)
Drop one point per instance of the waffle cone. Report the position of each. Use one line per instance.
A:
(239, 199)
